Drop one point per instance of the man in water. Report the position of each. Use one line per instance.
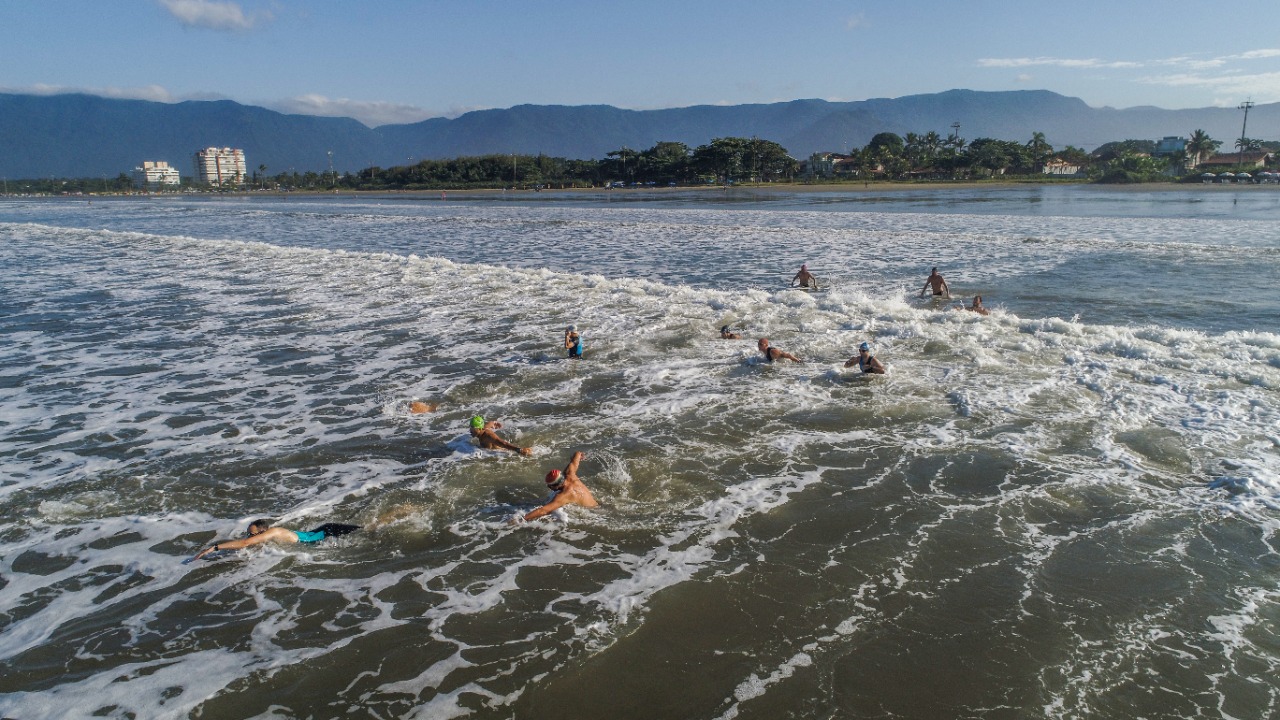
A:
(417, 407)
(865, 361)
(773, 353)
(939, 285)
(568, 489)
(260, 531)
(484, 434)
(977, 306)
(727, 334)
(573, 341)
(805, 278)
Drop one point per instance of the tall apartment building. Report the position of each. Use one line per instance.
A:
(218, 166)
(155, 173)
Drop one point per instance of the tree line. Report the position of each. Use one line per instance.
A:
(731, 160)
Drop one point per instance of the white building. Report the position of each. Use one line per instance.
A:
(216, 166)
(155, 173)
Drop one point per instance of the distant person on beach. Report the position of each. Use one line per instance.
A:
(938, 284)
(865, 361)
(573, 341)
(773, 353)
(978, 307)
(417, 407)
(727, 334)
(805, 278)
(568, 489)
(484, 434)
(260, 531)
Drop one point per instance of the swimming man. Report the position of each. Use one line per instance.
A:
(260, 531)
(568, 489)
(484, 433)
(727, 334)
(773, 353)
(865, 361)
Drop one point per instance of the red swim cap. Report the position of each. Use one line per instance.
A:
(553, 477)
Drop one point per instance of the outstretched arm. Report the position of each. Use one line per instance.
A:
(571, 470)
(560, 500)
(268, 535)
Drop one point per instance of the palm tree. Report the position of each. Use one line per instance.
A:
(1039, 149)
(262, 173)
(1201, 146)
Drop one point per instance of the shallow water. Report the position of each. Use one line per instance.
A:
(1064, 509)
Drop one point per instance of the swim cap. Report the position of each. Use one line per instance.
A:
(571, 328)
(865, 346)
(477, 422)
(553, 477)
(724, 329)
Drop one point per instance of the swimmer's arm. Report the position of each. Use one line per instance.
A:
(852, 361)
(560, 501)
(268, 535)
(571, 470)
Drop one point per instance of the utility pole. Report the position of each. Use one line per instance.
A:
(1245, 107)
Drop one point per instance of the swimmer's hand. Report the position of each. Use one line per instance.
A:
(527, 452)
(516, 519)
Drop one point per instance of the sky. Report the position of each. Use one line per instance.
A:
(401, 61)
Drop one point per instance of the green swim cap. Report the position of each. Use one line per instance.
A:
(477, 422)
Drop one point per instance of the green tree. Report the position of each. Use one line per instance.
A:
(1201, 146)
(1038, 150)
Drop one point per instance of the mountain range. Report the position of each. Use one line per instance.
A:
(88, 136)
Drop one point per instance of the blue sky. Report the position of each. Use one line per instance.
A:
(383, 61)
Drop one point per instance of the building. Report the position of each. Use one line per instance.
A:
(155, 173)
(221, 166)
(1170, 145)
(1252, 159)
(1061, 168)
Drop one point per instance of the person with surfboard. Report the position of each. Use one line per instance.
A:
(865, 361)
(773, 353)
(805, 278)
(567, 489)
(260, 531)
(484, 434)
(940, 288)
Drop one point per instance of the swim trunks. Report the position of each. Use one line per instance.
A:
(326, 530)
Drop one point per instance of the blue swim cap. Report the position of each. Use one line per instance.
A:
(865, 346)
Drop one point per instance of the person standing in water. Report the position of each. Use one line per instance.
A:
(865, 361)
(573, 341)
(568, 489)
(260, 531)
(805, 278)
(484, 434)
(773, 353)
(939, 285)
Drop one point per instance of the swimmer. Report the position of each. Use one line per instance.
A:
(805, 278)
(568, 489)
(865, 361)
(260, 531)
(727, 334)
(573, 341)
(417, 407)
(978, 307)
(939, 285)
(773, 353)
(484, 433)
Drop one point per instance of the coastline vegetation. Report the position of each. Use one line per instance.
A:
(733, 160)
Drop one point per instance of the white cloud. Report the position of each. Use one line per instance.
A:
(1057, 62)
(1264, 87)
(372, 114)
(855, 21)
(212, 14)
(1024, 77)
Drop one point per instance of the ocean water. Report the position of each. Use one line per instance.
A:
(1065, 509)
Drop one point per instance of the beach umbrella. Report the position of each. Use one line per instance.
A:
(1208, 175)
(1243, 175)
